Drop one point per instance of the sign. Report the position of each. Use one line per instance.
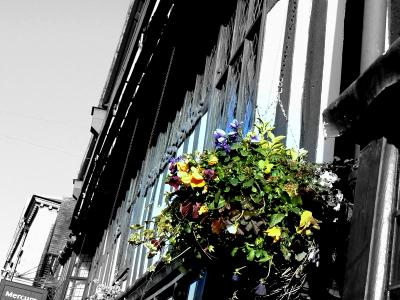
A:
(17, 291)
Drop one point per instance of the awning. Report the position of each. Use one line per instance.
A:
(368, 108)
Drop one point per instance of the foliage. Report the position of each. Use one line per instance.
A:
(105, 292)
(250, 203)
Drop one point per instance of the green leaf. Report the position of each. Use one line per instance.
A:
(277, 139)
(242, 177)
(236, 146)
(261, 164)
(297, 200)
(243, 152)
(221, 203)
(248, 183)
(265, 258)
(300, 256)
(275, 219)
(217, 195)
(296, 210)
(136, 226)
(251, 254)
(234, 181)
(285, 252)
(268, 168)
(234, 251)
(254, 190)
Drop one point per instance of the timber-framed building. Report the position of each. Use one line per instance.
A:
(185, 68)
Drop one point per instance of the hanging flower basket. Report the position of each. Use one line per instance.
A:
(252, 206)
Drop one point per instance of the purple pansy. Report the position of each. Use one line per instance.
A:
(219, 136)
(233, 136)
(209, 174)
(174, 181)
(255, 138)
(221, 141)
(235, 125)
(172, 167)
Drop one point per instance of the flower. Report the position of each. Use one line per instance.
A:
(274, 232)
(255, 138)
(197, 179)
(203, 209)
(172, 167)
(209, 174)
(183, 166)
(195, 210)
(205, 190)
(219, 136)
(327, 179)
(221, 141)
(174, 181)
(212, 160)
(186, 178)
(217, 225)
(235, 125)
(233, 136)
(233, 228)
(306, 221)
(185, 208)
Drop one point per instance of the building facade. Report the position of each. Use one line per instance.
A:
(25, 253)
(182, 70)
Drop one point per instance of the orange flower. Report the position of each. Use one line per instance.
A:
(197, 179)
(185, 177)
(183, 166)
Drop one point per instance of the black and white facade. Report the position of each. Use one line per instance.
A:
(185, 68)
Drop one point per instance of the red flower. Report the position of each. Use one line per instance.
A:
(185, 208)
(195, 212)
(217, 226)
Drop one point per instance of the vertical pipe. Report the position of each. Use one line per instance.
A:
(378, 260)
(373, 45)
(373, 36)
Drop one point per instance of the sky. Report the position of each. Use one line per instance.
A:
(54, 60)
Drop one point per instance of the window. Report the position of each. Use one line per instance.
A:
(75, 289)
(82, 266)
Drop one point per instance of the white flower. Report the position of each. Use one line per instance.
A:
(327, 179)
(232, 229)
(339, 196)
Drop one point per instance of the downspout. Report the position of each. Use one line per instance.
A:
(373, 45)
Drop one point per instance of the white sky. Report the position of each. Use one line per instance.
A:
(54, 59)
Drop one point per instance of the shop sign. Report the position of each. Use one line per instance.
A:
(17, 291)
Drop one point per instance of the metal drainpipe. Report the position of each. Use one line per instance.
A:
(373, 44)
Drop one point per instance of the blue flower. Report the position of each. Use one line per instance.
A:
(221, 141)
(219, 135)
(255, 138)
(235, 125)
(233, 136)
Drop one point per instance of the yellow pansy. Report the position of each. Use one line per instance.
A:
(197, 179)
(203, 209)
(212, 160)
(205, 190)
(183, 166)
(186, 178)
(306, 222)
(274, 232)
